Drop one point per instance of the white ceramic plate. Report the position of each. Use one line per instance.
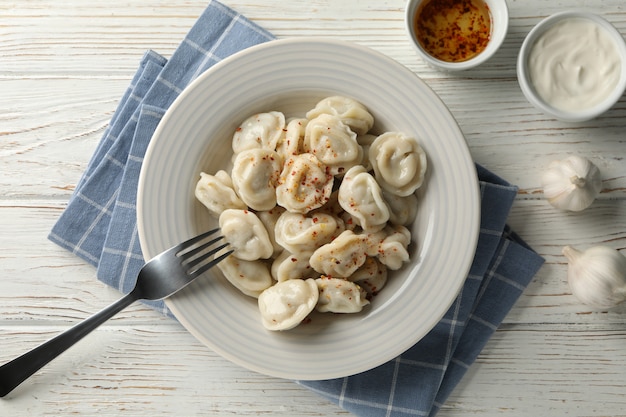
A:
(291, 76)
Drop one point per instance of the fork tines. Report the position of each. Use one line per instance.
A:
(197, 255)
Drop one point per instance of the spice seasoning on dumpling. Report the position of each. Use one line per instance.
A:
(304, 184)
(453, 30)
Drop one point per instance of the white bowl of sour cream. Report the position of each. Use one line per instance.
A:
(572, 66)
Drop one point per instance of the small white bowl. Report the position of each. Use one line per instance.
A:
(525, 79)
(499, 26)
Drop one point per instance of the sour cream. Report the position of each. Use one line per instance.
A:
(574, 65)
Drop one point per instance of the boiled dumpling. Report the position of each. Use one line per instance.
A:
(285, 304)
(393, 249)
(261, 130)
(249, 277)
(402, 210)
(399, 163)
(341, 257)
(333, 143)
(361, 196)
(304, 184)
(350, 111)
(372, 241)
(217, 194)
(255, 177)
(246, 234)
(371, 276)
(340, 296)
(269, 219)
(298, 232)
(291, 142)
(389, 246)
(289, 265)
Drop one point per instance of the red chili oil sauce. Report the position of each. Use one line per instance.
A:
(453, 30)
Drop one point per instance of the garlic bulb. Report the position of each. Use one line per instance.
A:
(571, 184)
(597, 276)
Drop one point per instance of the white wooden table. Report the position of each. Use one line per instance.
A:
(63, 66)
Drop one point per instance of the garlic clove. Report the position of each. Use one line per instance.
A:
(597, 276)
(572, 183)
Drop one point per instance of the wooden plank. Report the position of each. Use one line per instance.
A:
(64, 65)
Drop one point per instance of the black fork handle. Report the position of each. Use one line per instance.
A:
(19, 369)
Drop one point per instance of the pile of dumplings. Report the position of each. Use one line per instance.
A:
(316, 209)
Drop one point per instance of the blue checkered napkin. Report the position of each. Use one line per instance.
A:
(419, 381)
(99, 225)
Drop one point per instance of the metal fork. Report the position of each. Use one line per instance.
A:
(161, 277)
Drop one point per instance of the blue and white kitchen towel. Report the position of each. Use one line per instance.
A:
(100, 226)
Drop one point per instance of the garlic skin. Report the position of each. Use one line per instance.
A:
(572, 183)
(597, 276)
